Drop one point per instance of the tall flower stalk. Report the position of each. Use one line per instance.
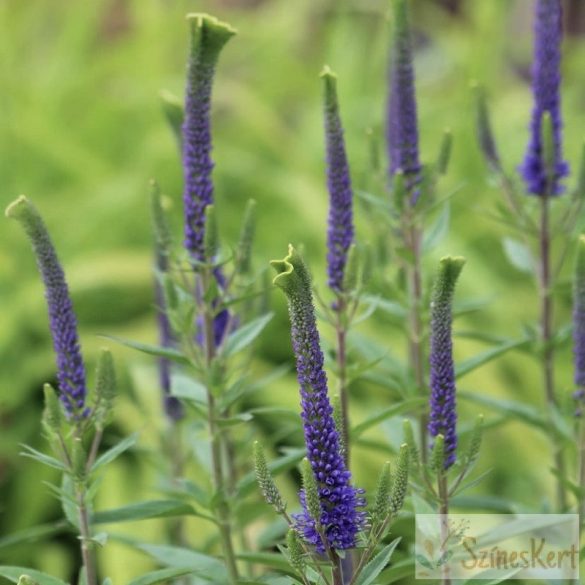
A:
(542, 170)
(405, 172)
(207, 39)
(579, 367)
(68, 434)
(62, 319)
(332, 523)
(340, 236)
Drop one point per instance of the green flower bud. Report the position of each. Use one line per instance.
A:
(296, 553)
(266, 481)
(437, 461)
(313, 504)
(400, 482)
(383, 503)
(105, 390)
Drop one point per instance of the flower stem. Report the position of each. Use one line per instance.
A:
(223, 512)
(546, 316)
(443, 490)
(87, 550)
(415, 330)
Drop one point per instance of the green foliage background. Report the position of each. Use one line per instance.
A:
(82, 132)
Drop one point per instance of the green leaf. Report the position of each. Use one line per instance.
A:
(412, 404)
(274, 560)
(151, 349)
(183, 386)
(144, 511)
(13, 574)
(484, 357)
(243, 336)
(509, 408)
(248, 483)
(390, 307)
(519, 255)
(162, 575)
(204, 566)
(437, 232)
(237, 419)
(400, 570)
(32, 535)
(374, 567)
(42, 458)
(115, 451)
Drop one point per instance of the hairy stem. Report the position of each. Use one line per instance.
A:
(546, 330)
(223, 512)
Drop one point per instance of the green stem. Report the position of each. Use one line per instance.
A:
(413, 238)
(223, 511)
(443, 490)
(87, 548)
(546, 316)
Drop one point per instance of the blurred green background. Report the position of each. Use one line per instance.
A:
(82, 132)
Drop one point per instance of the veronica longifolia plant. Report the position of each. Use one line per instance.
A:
(332, 517)
(72, 425)
(539, 222)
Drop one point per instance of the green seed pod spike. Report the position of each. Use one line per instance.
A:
(162, 231)
(53, 414)
(400, 482)
(383, 503)
(311, 490)
(339, 422)
(78, 460)
(266, 481)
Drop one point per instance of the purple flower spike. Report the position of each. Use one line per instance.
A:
(340, 232)
(340, 501)
(546, 79)
(579, 318)
(443, 417)
(208, 36)
(401, 123)
(62, 320)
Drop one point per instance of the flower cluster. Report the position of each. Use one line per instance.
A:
(443, 417)
(401, 123)
(546, 80)
(62, 320)
(341, 231)
(340, 501)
